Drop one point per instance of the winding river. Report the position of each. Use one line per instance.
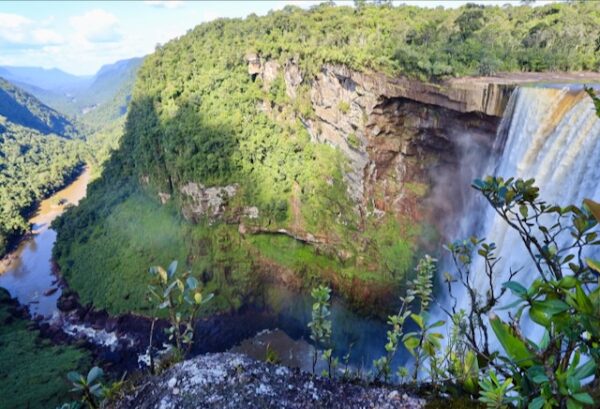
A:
(27, 273)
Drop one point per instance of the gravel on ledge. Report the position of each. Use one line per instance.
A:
(227, 380)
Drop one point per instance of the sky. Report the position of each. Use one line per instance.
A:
(80, 37)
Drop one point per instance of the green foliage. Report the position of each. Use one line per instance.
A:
(271, 356)
(353, 141)
(592, 93)
(495, 393)
(25, 110)
(563, 299)
(181, 296)
(32, 166)
(32, 368)
(422, 344)
(89, 387)
(40, 150)
(320, 326)
(383, 365)
(344, 107)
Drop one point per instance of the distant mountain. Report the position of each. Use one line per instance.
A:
(106, 98)
(22, 108)
(47, 79)
(95, 100)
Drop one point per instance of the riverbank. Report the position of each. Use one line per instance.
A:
(27, 271)
(14, 240)
(236, 381)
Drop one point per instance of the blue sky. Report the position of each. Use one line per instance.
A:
(79, 37)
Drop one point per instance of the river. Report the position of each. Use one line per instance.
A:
(27, 273)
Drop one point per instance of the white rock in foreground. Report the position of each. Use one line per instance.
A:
(229, 380)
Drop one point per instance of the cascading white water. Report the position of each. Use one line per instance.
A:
(551, 135)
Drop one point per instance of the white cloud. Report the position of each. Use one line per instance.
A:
(167, 4)
(97, 26)
(209, 15)
(45, 36)
(20, 32)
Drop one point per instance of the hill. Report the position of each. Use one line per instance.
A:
(23, 109)
(39, 150)
(46, 79)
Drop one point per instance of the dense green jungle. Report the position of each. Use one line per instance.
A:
(408, 193)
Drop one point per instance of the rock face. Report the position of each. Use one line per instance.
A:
(236, 381)
(206, 201)
(400, 136)
(406, 141)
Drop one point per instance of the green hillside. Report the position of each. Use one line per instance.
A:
(37, 156)
(196, 116)
(24, 109)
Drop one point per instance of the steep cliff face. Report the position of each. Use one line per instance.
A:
(402, 138)
(407, 143)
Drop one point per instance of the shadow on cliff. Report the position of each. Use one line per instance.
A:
(172, 148)
(157, 153)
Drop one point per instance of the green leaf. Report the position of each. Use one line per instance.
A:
(172, 268)
(573, 404)
(74, 376)
(540, 378)
(537, 403)
(94, 374)
(524, 211)
(418, 319)
(207, 298)
(516, 288)
(169, 289)
(437, 324)
(545, 341)
(583, 301)
(411, 342)
(192, 283)
(593, 264)
(594, 208)
(584, 398)
(585, 370)
(551, 307)
(162, 274)
(568, 282)
(537, 314)
(96, 390)
(515, 348)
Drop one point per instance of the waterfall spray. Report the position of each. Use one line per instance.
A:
(553, 136)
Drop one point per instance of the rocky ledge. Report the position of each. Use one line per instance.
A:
(229, 380)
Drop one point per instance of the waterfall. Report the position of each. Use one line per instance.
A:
(551, 135)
